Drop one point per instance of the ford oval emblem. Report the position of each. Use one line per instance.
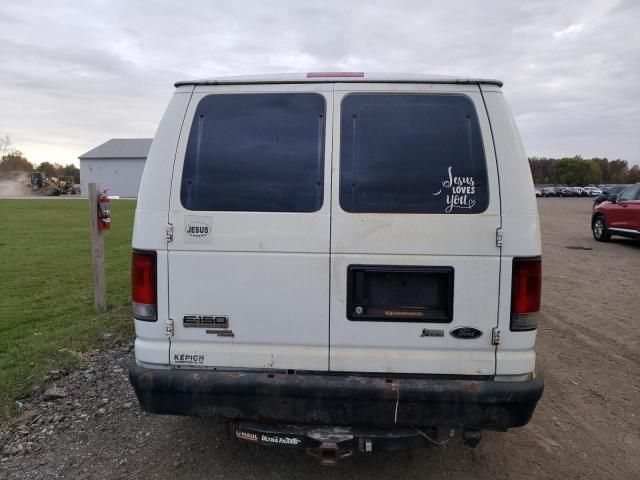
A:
(466, 333)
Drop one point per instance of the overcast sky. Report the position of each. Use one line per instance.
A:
(74, 74)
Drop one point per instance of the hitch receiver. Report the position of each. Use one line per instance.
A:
(329, 453)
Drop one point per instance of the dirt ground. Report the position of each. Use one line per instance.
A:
(587, 424)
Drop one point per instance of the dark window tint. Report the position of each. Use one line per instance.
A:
(411, 154)
(255, 152)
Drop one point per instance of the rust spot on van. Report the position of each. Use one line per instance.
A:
(391, 392)
(470, 386)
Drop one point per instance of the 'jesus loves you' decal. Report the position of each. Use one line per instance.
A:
(459, 192)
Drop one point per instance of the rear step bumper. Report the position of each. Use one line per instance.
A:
(330, 399)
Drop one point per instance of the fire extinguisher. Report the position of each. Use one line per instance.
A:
(104, 211)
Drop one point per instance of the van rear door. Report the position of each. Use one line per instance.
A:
(249, 261)
(415, 266)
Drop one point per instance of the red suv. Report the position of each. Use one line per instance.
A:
(619, 215)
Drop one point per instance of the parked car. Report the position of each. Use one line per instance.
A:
(548, 192)
(567, 192)
(288, 275)
(607, 192)
(538, 192)
(592, 191)
(619, 215)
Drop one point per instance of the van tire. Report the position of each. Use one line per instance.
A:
(599, 229)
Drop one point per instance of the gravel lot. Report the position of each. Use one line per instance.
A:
(586, 426)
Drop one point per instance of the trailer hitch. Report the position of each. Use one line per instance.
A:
(330, 444)
(329, 453)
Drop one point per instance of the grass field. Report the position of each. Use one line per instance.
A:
(47, 318)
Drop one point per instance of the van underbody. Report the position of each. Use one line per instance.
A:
(333, 416)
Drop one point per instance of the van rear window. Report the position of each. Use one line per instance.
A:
(405, 153)
(255, 152)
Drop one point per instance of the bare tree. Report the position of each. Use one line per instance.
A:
(6, 146)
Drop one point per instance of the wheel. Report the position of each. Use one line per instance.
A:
(599, 229)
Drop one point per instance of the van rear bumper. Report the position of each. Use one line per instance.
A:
(336, 399)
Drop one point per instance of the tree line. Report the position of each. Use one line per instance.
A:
(13, 162)
(577, 171)
(573, 171)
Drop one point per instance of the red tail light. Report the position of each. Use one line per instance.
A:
(526, 290)
(143, 285)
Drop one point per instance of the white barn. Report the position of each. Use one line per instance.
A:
(116, 165)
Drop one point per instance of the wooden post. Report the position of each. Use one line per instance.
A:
(97, 252)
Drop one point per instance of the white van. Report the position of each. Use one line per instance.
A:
(341, 262)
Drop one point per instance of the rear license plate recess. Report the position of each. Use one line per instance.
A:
(388, 293)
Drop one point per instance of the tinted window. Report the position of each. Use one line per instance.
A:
(629, 194)
(255, 152)
(411, 154)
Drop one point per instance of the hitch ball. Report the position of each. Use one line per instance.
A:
(471, 438)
